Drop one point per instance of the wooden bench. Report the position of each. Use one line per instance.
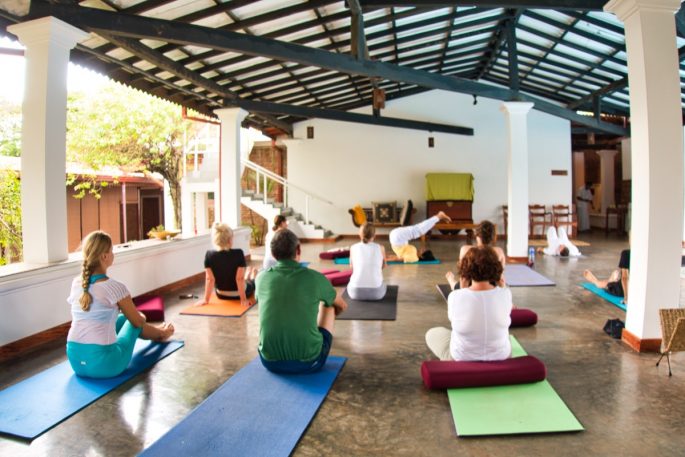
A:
(454, 225)
(395, 223)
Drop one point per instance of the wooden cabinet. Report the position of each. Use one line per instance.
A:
(458, 210)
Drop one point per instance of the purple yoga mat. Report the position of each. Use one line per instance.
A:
(522, 275)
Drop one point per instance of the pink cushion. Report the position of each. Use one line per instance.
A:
(328, 271)
(521, 317)
(340, 278)
(438, 374)
(330, 255)
(150, 305)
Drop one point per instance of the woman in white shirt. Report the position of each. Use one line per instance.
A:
(480, 314)
(367, 260)
(280, 222)
(101, 340)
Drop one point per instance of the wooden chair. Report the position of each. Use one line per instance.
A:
(505, 217)
(537, 216)
(672, 333)
(563, 217)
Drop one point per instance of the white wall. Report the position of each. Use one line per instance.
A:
(350, 163)
(35, 300)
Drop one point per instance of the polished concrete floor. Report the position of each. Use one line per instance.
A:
(378, 406)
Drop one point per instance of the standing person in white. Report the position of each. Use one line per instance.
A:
(584, 200)
(480, 314)
(367, 260)
(280, 222)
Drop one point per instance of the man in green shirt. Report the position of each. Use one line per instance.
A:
(297, 309)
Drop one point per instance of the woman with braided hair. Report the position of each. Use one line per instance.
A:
(105, 322)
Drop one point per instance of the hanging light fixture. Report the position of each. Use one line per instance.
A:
(431, 140)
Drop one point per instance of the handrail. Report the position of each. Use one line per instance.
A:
(282, 180)
(258, 169)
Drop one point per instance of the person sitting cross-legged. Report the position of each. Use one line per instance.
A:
(480, 314)
(367, 260)
(297, 309)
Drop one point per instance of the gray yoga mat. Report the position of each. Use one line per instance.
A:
(381, 310)
(522, 275)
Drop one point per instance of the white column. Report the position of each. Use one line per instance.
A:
(517, 173)
(606, 162)
(187, 210)
(657, 156)
(48, 42)
(201, 212)
(578, 171)
(169, 218)
(230, 168)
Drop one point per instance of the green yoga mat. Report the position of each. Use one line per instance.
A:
(509, 410)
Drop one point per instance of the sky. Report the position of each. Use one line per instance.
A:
(12, 75)
(79, 79)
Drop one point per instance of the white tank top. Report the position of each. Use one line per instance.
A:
(367, 265)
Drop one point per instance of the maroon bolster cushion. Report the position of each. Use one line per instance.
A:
(328, 271)
(438, 374)
(521, 317)
(150, 305)
(330, 255)
(340, 278)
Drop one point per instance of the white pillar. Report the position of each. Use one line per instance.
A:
(187, 210)
(517, 172)
(578, 171)
(657, 156)
(230, 168)
(606, 162)
(201, 212)
(169, 218)
(48, 42)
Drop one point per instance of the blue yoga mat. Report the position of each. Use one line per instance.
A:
(613, 299)
(346, 261)
(255, 412)
(35, 405)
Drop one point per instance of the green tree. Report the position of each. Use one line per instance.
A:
(10, 128)
(10, 217)
(130, 130)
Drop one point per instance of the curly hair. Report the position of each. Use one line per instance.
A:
(486, 232)
(481, 264)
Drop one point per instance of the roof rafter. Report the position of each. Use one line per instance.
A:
(184, 34)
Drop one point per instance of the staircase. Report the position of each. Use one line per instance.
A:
(300, 224)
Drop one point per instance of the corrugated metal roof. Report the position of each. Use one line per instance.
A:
(563, 56)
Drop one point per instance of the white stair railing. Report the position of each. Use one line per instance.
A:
(262, 178)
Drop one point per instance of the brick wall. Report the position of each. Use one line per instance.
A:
(273, 158)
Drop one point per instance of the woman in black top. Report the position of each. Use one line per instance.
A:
(226, 271)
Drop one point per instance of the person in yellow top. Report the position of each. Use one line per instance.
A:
(401, 236)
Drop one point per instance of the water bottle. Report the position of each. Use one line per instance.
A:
(531, 256)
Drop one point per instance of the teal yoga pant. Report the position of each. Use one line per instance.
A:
(104, 361)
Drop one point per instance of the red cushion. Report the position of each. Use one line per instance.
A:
(150, 305)
(328, 271)
(340, 278)
(521, 317)
(439, 374)
(330, 255)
